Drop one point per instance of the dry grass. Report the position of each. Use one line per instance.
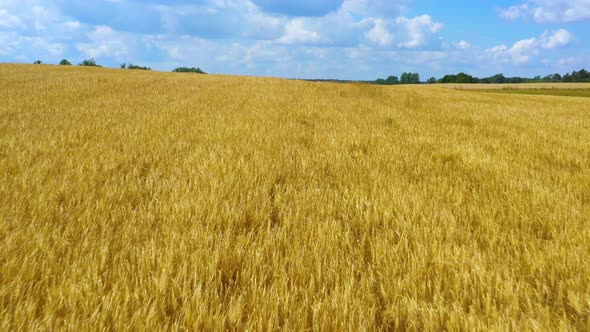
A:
(136, 200)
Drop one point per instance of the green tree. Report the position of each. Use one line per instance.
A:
(431, 80)
(497, 79)
(465, 78)
(89, 63)
(65, 62)
(404, 79)
(132, 66)
(449, 79)
(583, 76)
(391, 80)
(188, 70)
(38, 62)
(410, 78)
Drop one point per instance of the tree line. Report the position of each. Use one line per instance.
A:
(413, 78)
(581, 75)
(406, 78)
(92, 63)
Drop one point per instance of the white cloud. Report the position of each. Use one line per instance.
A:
(54, 49)
(545, 11)
(379, 34)
(72, 25)
(463, 45)
(104, 41)
(41, 17)
(345, 28)
(297, 32)
(8, 42)
(524, 50)
(376, 8)
(418, 29)
(553, 39)
(403, 32)
(514, 12)
(259, 25)
(8, 21)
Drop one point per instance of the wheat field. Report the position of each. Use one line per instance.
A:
(157, 201)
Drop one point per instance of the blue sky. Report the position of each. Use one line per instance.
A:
(345, 39)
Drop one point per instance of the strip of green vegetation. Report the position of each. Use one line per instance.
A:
(547, 92)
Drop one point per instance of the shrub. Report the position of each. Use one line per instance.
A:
(131, 66)
(65, 62)
(89, 63)
(189, 70)
(38, 62)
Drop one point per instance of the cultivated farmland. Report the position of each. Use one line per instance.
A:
(142, 200)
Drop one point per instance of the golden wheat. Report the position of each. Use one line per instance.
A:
(144, 201)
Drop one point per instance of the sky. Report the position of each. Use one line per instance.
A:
(342, 39)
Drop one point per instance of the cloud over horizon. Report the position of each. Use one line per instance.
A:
(352, 39)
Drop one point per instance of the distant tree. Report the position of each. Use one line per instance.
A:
(391, 80)
(465, 78)
(515, 80)
(188, 70)
(577, 76)
(131, 66)
(448, 79)
(89, 63)
(65, 62)
(404, 79)
(123, 66)
(461, 78)
(431, 80)
(497, 79)
(38, 62)
(410, 78)
(583, 76)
